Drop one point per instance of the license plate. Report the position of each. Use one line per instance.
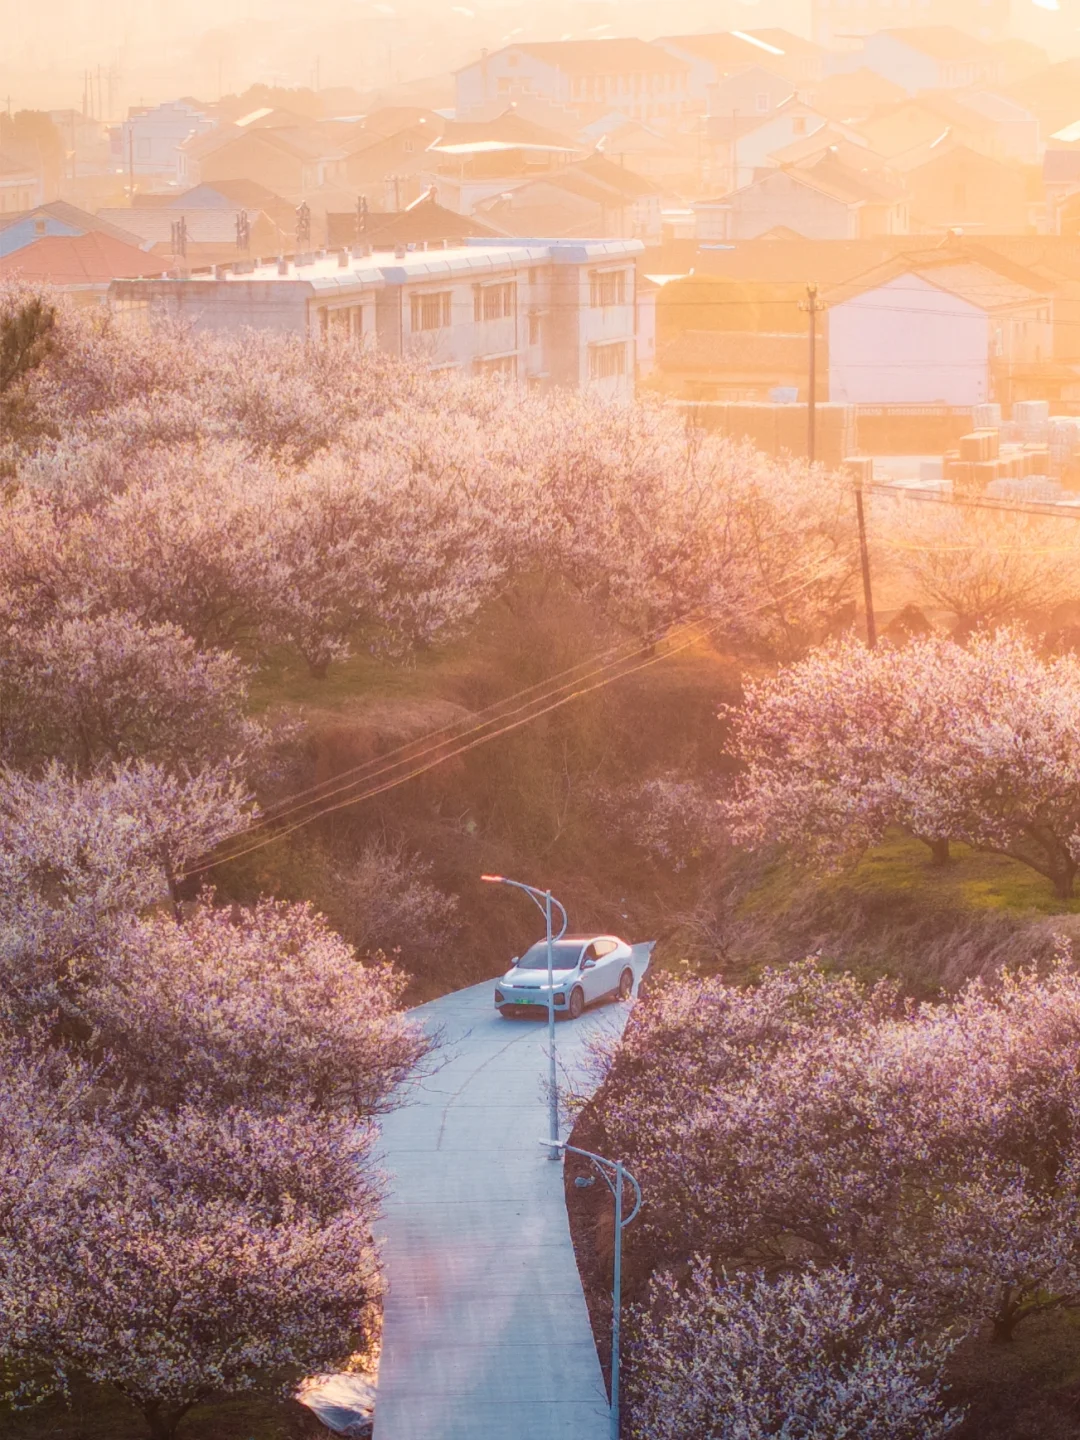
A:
(526, 1002)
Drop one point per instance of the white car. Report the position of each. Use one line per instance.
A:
(586, 968)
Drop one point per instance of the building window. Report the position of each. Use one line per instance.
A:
(494, 302)
(431, 311)
(606, 361)
(534, 328)
(762, 104)
(607, 287)
(504, 366)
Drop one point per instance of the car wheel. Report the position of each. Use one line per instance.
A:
(626, 984)
(577, 1003)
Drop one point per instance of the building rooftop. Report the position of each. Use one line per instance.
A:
(326, 272)
(91, 259)
(597, 57)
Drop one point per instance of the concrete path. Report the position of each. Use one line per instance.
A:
(486, 1332)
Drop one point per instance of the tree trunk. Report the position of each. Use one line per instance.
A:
(939, 852)
(1063, 883)
(162, 1422)
(1004, 1325)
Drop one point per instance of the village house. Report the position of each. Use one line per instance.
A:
(937, 334)
(56, 218)
(824, 202)
(590, 77)
(21, 185)
(840, 23)
(714, 57)
(82, 267)
(959, 188)
(150, 140)
(932, 57)
(541, 313)
(592, 197)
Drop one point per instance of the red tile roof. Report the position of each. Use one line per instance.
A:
(80, 260)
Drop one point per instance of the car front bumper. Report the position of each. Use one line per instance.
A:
(519, 997)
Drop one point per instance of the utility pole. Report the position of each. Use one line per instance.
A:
(813, 307)
(131, 161)
(864, 560)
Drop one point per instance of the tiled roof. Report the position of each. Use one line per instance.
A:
(204, 226)
(603, 57)
(76, 218)
(79, 260)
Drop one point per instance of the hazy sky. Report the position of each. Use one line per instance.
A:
(149, 50)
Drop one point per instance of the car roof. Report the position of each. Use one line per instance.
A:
(582, 939)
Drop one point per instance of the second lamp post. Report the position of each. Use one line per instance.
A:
(544, 900)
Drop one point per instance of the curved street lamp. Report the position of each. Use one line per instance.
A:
(544, 900)
(615, 1176)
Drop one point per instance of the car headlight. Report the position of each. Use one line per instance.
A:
(560, 999)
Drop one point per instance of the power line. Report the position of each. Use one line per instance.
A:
(535, 714)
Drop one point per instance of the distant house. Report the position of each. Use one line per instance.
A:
(919, 122)
(837, 24)
(150, 139)
(852, 95)
(933, 57)
(390, 169)
(212, 233)
(590, 77)
(537, 312)
(826, 202)
(1061, 181)
(423, 223)
(946, 334)
(664, 159)
(591, 198)
(82, 266)
(56, 218)
(1006, 128)
(21, 185)
(959, 188)
(715, 56)
(755, 91)
(750, 143)
(289, 162)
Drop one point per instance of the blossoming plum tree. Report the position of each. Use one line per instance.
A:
(975, 743)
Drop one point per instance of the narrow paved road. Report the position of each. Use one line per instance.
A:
(486, 1332)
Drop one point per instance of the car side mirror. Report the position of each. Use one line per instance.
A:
(514, 961)
(588, 964)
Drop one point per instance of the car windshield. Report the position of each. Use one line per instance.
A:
(564, 955)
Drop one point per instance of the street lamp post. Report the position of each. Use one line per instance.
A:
(544, 900)
(615, 1176)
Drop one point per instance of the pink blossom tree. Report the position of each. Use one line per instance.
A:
(91, 688)
(176, 1256)
(821, 1354)
(967, 743)
(263, 1006)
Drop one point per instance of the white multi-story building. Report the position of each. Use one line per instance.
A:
(545, 313)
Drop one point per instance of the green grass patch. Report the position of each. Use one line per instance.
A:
(900, 868)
